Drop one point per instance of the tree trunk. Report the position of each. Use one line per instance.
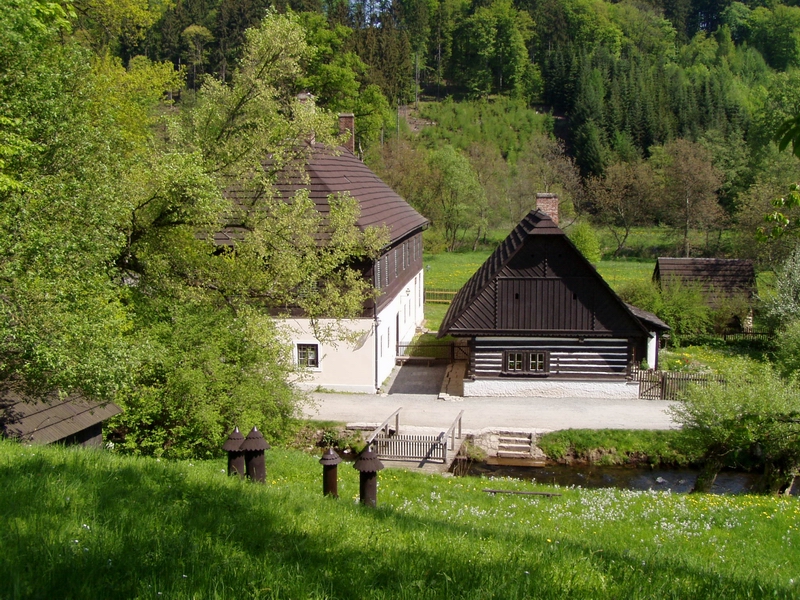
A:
(707, 476)
(686, 228)
(773, 481)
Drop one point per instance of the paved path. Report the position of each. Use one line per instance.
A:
(529, 414)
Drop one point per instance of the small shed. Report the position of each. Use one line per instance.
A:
(72, 420)
(718, 278)
(541, 321)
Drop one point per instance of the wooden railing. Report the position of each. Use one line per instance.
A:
(411, 447)
(446, 350)
(440, 296)
(449, 437)
(390, 444)
(754, 335)
(669, 385)
(384, 427)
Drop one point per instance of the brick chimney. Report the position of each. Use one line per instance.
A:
(548, 204)
(347, 123)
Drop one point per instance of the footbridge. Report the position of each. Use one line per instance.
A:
(416, 448)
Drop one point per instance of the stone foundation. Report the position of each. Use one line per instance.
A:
(550, 388)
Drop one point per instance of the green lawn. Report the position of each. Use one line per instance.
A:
(87, 524)
(451, 270)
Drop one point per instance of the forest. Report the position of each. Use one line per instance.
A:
(122, 121)
(637, 113)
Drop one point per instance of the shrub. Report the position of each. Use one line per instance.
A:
(784, 305)
(787, 354)
(585, 240)
(754, 413)
(684, 308)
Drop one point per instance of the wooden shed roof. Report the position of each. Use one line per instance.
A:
(728, 276)
(52, 419)
(537, 283)
(324, 171)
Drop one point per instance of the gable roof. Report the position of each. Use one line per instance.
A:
(324, 171)
(52, 419)
(728, 276)
(537, 283)
(648, 319)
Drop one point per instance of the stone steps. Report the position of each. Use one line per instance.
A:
(511, 444)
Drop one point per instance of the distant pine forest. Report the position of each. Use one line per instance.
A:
(636, 113)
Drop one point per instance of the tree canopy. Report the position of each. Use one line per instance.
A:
(112, 285)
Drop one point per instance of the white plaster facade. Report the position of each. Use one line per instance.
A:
(652, 350)
(364, 366)
(550, 388)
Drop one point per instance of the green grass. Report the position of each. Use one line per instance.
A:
(618, 273)
(87, 524)
(616, 446)
(451, 270)
(434, 315)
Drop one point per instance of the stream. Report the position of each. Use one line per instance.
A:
(622, 477)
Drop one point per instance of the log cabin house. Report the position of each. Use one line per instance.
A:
(541, 321)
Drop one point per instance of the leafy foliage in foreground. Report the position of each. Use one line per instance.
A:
(110, 282)
(79, 523)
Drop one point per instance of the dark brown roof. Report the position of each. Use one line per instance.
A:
(537, 283)
(50, 420)
(327, 171)
(649, 320)
(714, 275)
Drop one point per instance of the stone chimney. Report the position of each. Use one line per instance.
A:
(548, 204)
(347, 124)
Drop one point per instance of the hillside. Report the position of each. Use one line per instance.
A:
(89, 524)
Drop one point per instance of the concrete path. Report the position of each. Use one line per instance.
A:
(529, 414)
(424, 410)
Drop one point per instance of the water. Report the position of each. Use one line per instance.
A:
(630, 478)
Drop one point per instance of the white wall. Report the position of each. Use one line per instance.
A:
(551, 388)
(365, 368)
(403, 314)
(345, 367)
(652, 350)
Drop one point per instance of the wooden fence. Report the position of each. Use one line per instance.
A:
(391, 444)
(669, 385)
(411, 447)
(754, 335)
(446, 350)
(441, 296)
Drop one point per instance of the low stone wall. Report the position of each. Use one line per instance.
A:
(550, 388)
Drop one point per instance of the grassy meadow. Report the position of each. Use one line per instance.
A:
(451, 270)
(77, 523)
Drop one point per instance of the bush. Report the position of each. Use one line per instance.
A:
(682, 307)
(754, 413)
(784, 305)
(585, 240)
(787, 354)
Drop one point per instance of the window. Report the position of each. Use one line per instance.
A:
(526, 362)
(537, 362)
(514, 361)
(378, 273)
(308, 355)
